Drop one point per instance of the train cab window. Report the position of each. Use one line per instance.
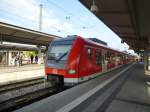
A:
(89, 51)
(98, 57)
(58, 50)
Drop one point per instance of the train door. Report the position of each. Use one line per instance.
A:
(104, 62)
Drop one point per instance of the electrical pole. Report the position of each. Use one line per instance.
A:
(40, 18)
(40, 29)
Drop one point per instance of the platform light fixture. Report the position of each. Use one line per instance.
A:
(142, 50)
(94, 7)
(122, 41)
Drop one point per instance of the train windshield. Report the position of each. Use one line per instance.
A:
(59, 50)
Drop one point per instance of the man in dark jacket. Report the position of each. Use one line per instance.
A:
(31, 59)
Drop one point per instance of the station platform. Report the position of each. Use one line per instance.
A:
(126, 89)
(134, 95)
(9, 74)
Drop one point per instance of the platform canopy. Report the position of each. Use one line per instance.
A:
(127, 18)
(20, 47)
(16, 34)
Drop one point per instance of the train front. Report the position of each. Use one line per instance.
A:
(56, 67)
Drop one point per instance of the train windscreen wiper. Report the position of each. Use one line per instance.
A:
(61, 56)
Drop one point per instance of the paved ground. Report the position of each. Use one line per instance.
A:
(129, 93)
(135, 93)
(10, 74)
(72, 97)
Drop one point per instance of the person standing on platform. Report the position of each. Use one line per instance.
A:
(20, 59)
(16, 60)
(31, 58)
(36, 59)
(13, 61)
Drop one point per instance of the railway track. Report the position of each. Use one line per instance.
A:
(20, 84)
(17, 94)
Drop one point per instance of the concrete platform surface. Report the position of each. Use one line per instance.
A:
(69, 99)
(28, 67)
(12, 74)
(134, 95)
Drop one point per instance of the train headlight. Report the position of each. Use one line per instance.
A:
(72, 71)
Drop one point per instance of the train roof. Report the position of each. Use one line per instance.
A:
(98, 41)
(103, 45)
(88, 40)
(64, 41)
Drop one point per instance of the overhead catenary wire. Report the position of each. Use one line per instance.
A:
(71, 16)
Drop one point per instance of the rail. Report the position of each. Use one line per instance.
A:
(18, 94)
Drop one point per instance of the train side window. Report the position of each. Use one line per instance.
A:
(108, 56)
(121, 57)
(98, 57)
(113, 57)
(89, 51)
(103, 56)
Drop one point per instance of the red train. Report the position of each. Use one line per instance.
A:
(74, 59)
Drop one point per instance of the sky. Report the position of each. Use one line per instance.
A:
(59, 17)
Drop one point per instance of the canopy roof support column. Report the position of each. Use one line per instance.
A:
(147, 60)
